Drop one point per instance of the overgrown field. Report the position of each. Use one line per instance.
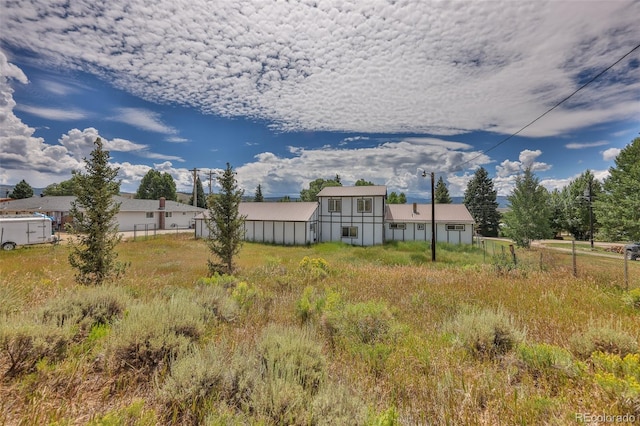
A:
(328, 334)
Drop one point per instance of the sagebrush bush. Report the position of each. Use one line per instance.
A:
(485, 333)
(336, 405)
(217, 303)
(632, 298)
(153, 333)
(367, 323)
(86, 307)
(23, 343)
(603, 339)
(12, 300)
(206, 379)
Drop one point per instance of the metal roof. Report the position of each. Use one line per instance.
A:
(277, 212)
(63, 204)
(353, 191)
(457, 213)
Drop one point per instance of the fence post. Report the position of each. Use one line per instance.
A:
(513, 254)
(573, 255)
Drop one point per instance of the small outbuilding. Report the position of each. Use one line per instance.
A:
(412, 222)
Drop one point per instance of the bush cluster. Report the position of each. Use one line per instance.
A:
(603, 339)
(485, 333)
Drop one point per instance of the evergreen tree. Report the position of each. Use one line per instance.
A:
(56, 189)
(258, 197)
(480, 199)
(576, 205)
(442, 193)
(316, 186)
(202, 199)
(155, 185)
(362, 182)
(402, 199)
(529, 216)
(94, 226)
(618, 207)
(21, 190)
(285, 199)
(226, 225)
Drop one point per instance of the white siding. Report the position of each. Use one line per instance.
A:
(369, 224)
(443, 235)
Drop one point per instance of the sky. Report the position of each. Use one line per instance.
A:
(290, 91)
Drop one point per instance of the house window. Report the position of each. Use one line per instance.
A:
(167, 214)
(364, 205)
(420, 227)
(335, 205)
(149, 215)
(455, 227)
(312, 227)
(350, 232)
(397, 226)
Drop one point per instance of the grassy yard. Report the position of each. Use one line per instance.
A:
(326, 334)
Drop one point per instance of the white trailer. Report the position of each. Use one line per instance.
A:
(25, 230)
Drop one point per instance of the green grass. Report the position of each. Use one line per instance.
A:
(390, 337)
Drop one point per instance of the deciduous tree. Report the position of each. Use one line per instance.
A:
(226, 225)
(529, 216)
(155, 185)
(618, 207)
(316, 186)
(94, 227)
(56, 189)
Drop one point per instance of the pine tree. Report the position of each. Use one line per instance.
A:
(155, 185)
(529, 217)
(258, 198)
(21, 190)
(618, 207)
(442, 193)
(480, 199)
(226, 225)
(94, 228)
(202, 199)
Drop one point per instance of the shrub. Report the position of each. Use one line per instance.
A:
(87, 307)
(315, 268)
(544, 360)
(603, 339)
(485, 333)
(620, 377)
(368, 323)
(245, 295)
(153, 333)
(335, 405)
(292, 370)
(203, 378)
(313, 303)
(632, 298)
(24, 343)
(217, 303)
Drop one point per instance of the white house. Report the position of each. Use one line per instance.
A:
(276, 223)
(352, 214)
(412, 222)
(134, 214)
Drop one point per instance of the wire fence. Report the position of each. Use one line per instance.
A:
(577, 260)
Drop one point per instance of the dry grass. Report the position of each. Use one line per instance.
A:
(425, 376)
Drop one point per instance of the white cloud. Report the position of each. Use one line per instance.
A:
(175, 139)
(371, 67)
(581, 145)
(610, 154)
(143, 119)
(394, 164)
(507, 169)
(53, 113)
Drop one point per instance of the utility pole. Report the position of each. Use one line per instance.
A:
(195, 187)
(433, 215)
(210, 174)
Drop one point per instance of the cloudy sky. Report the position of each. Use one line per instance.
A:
(289, 91)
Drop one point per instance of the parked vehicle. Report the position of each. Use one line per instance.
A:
(632, 251)
(25, 230)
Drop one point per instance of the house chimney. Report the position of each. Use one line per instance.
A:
(161, 208)
(415, 208)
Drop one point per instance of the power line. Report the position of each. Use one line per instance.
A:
(555, 106)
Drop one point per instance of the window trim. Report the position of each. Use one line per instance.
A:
(168, 214)
(455, 227)
(351, 231)
(335, 205)
(361, 205)
(149, 215)
(398, 226)
(421, 227)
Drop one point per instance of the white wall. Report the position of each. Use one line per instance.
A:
(412, 233)
(275, 232)
(127, 221)
(370, 225)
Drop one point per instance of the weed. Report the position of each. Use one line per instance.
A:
(485, 333)
(603, 339)
(548, 361)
